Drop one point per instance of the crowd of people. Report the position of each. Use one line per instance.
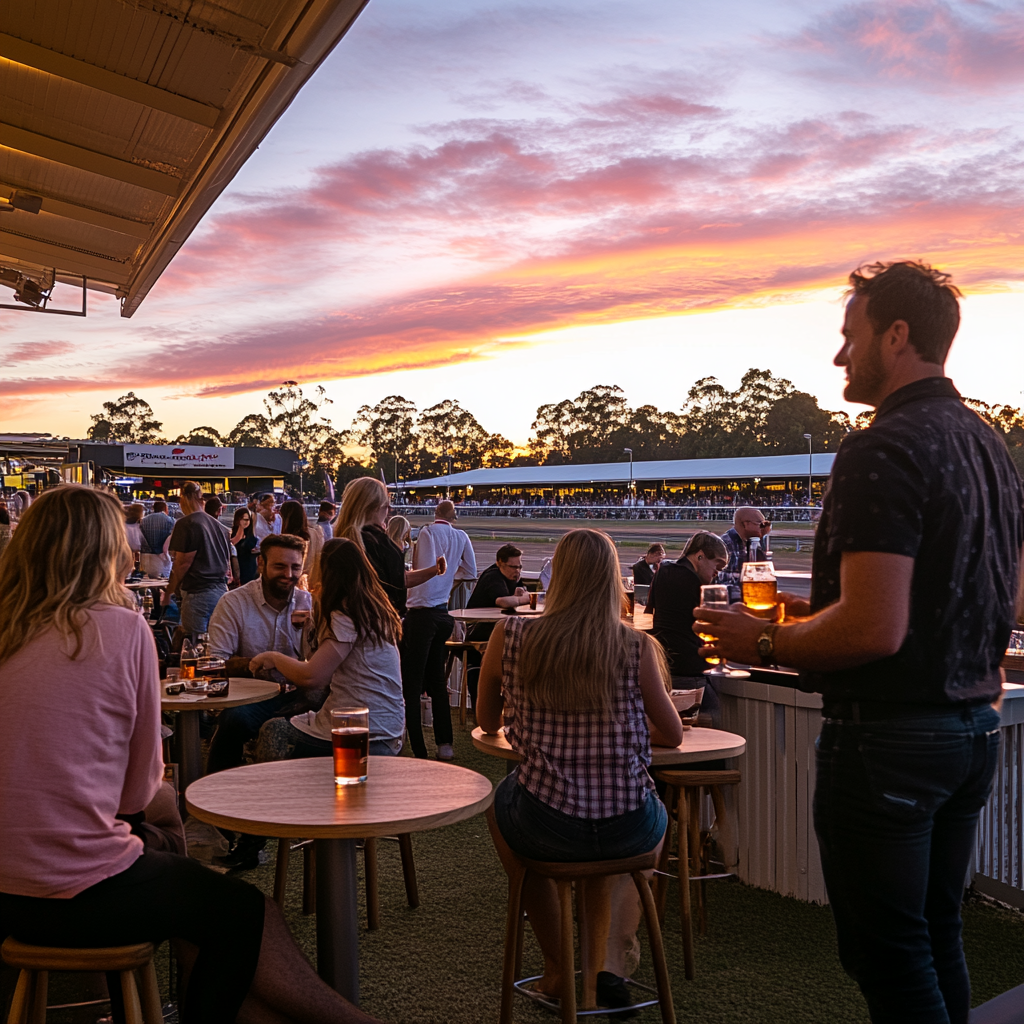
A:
(915, 578)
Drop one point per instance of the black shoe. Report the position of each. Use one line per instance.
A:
(244, 855)
(612, 994)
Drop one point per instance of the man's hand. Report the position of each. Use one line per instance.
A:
(796, 607)
(523, 594)
(442, 565)
(300, 617)
(736, 631)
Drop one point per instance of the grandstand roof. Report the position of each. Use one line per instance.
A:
(762, 467)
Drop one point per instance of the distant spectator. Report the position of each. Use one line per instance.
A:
(267, 520)
(132, 518)
(213, 506)
(295, 524)
(328, 510)
(399, 530)
(156, 528)
(644, 570)
(243, 539)
(743, 543)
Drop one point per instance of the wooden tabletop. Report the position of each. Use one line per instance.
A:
(697, 745)
(147, 584)
(298, 799)
(240, 691)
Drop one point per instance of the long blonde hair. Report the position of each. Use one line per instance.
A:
(574, 656)
(362, 502)
(69, 553)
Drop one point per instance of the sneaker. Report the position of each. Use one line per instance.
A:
(612, 994)
(245, 855)
(445, 752)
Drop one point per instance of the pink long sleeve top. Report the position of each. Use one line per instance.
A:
(79, 744)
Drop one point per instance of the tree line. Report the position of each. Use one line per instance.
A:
(765, 415)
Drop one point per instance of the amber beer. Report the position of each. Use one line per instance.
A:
(760, 597)
(711, 659)
(351, 746)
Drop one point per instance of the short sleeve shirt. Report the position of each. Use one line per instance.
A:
(210, 540)
(930, 480)
(489, 587)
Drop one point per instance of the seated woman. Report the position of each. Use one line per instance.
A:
(581, 695)
(79, 745)
(357, 633)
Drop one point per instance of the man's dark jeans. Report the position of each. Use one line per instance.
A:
(896, 810)
(424, 633)
(236, 726)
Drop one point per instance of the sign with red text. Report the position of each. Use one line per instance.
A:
(177, 456)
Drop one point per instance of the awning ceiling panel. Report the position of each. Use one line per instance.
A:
(129, 117)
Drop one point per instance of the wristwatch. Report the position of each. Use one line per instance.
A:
(766, 644)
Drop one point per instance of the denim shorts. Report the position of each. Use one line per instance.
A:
(533, 829)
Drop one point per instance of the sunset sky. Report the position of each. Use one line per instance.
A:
(506, 204)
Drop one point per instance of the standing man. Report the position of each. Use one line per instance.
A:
(325, 520)
(644, 570)
(428, 625)
(748, 525)
(156, 528)
(915, 576)
(201, 553)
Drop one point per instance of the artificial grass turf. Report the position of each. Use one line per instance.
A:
(766, 958)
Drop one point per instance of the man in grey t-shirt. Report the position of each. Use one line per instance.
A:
(201, 553)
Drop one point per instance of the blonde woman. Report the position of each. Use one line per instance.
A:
(362, 519)
(399, 530)
(581, 695)
(81, 745)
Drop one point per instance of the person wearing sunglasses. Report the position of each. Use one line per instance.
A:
(749, 525)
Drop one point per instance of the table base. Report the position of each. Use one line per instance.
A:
(188, 750)
(337, 923)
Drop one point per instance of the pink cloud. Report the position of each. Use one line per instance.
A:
(34, 351)
(916, 41)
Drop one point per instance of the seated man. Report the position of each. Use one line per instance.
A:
(644, 570)
(497, 587)
(267, 614)
(675, 592)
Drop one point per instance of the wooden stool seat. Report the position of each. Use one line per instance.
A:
(565, 874)
(683, 796)
(35, 963)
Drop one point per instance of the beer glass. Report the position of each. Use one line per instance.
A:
(760, 588)
(350, 741)
(717, 596)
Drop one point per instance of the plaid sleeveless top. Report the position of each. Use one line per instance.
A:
(586, 764)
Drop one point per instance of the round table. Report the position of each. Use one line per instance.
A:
(147, 583)
(187, 746)
(697, 745)
(298, 799)
(471, 615)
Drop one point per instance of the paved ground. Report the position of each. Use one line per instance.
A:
(538, 539)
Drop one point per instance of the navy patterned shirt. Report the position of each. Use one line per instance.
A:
(931, 480)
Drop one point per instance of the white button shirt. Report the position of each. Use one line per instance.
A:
(436, 539)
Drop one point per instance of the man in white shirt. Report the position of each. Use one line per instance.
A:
(268, 614)
(428, 625)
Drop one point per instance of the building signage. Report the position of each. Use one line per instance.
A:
(177, 456)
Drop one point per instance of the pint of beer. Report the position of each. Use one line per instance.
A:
(350, 742)
(759, 589)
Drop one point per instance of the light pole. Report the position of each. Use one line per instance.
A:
(810, 468)
(630, 451)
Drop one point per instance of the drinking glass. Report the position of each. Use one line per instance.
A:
(760, 589)
(687, 704)
(350, 740)
(717, 596)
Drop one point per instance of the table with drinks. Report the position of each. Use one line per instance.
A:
(198, 685)
(336, 801)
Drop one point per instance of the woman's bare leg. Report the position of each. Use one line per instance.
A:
(287, 989)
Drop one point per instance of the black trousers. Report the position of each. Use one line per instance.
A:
(161, 896)
(424, 633)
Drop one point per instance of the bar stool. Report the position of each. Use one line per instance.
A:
(412, 892)
(682, 794)
(564, 875)
(36, 963)
(459, 650)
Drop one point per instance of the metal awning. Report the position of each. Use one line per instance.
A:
(128, 118)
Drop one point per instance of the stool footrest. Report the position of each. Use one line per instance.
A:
(554, 1006)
